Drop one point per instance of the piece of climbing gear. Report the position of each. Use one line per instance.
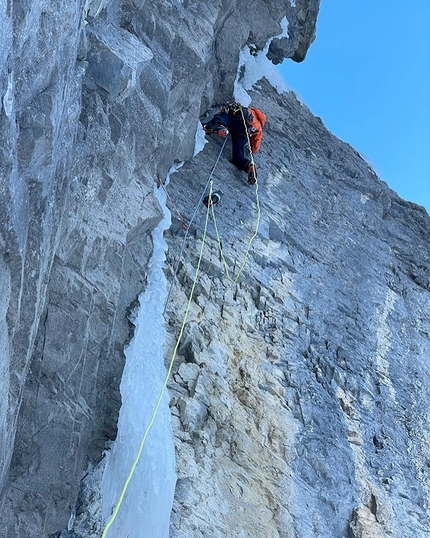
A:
(215, 199)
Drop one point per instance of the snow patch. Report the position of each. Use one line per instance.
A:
(145, 510)
(200, 140)
(253, 66)
(8, 98)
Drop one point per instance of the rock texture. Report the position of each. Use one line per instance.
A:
(97, 99)
(300, 396)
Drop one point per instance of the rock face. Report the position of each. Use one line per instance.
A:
(298, 400)
(300, 396)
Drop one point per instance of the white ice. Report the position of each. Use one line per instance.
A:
(145, 510)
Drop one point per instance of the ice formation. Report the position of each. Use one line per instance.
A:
(145, 509)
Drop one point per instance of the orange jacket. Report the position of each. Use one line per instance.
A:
(258, 124)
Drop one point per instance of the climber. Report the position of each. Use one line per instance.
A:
(236, 119)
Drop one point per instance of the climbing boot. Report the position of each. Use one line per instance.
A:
(218, 129)
(252, 174)
(223, 132)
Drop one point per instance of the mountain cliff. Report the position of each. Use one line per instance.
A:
(299, 396)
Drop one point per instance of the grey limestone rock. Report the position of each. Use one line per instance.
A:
(115, 58)
(314, 375)
(300, 394)
(301, 33)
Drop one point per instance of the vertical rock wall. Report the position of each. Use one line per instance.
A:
(300, 397)
(98, 98)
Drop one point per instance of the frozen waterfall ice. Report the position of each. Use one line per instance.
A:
(145, 510)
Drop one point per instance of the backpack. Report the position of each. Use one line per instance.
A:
(257, 125)
(254, 118)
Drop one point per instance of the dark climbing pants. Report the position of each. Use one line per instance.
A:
(234, 124)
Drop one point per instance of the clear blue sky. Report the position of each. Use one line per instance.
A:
(367, 75)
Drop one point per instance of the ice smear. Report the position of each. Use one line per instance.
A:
(255, 66)
(145, 510)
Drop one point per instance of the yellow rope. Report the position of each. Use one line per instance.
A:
(257, 201)
(163, 388)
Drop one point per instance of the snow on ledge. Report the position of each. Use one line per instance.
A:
(255, 66)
